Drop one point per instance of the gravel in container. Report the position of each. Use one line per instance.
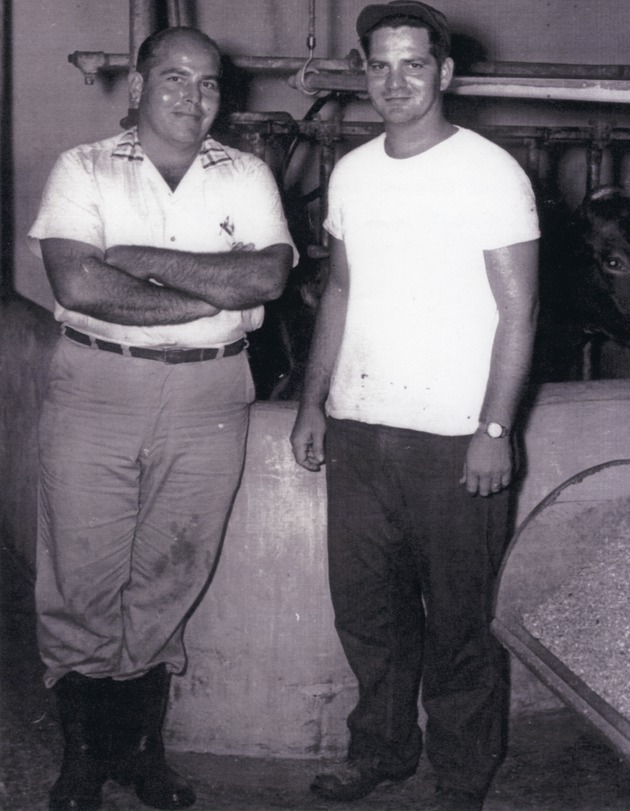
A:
(585, 622)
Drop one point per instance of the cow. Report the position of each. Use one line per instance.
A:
(585, 290)
(601, 276)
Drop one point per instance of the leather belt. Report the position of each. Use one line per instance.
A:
(162, 355)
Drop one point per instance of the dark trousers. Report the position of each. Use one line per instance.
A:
(412, 559)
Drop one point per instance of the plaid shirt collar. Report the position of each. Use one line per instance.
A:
(211, 153)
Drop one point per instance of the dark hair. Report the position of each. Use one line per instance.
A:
(148, 51)
(439, 48)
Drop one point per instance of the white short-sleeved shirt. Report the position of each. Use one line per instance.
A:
(109, 193)
(421, 316)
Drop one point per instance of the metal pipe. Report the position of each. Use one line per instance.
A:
(539, 70)
(549, 81)
(141, 24)
(173, 13)
(613, 91)
(549, 70)
(90, 63)
(283, 124)
(328, 138)
(310, 40)
(532, 159)
(291, 64)
(596, 90)
(186, 12)
(353, 63)
(595, 153)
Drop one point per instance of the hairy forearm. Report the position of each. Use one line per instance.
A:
(231, 280)
(109, 294)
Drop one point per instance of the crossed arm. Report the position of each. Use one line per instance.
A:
(117, 286)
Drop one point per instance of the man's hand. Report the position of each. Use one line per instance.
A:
(488, 465)
(307, 437)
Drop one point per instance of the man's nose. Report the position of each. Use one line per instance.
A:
(395, 78)
(193, 93)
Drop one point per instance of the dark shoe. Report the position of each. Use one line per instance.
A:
(452, 799)
(83, 712)
(139, 710)
(351, 782)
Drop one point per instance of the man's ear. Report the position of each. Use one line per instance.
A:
(136, 83)
(446, 73)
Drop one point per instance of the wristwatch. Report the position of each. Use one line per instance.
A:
(494, 430)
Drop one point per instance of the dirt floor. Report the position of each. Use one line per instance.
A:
(553, 764)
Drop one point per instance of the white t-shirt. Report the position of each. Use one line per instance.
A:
(109, 193)
(421, 316)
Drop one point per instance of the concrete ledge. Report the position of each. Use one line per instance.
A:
(267, 675)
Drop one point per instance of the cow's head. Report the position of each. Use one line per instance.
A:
(602, 267)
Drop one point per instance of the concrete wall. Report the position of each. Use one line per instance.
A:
(27, 336)
(267, 675)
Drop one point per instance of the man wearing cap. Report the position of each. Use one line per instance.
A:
(420, 355)
(161, 246)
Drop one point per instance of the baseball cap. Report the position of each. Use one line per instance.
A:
(427, 15)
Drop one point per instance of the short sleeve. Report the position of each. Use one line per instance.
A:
(507, 210)
(69, 206)
(265, 223)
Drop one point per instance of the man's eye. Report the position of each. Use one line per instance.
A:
(416, 66)
(376, 66)
(174, 79)
(210, 85)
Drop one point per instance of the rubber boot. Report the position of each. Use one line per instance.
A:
(83, 712)
(139, 711)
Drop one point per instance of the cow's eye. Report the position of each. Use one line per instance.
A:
(614, 263)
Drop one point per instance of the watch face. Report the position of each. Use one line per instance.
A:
(495, 430)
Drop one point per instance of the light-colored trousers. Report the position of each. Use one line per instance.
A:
(139, 465)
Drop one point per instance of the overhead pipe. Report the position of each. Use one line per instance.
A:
(178, 13)
(353, 63)
(549, 70)
(141, 24)
(565, 89)
(282, 124)
(560, 82)
(173, 13)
